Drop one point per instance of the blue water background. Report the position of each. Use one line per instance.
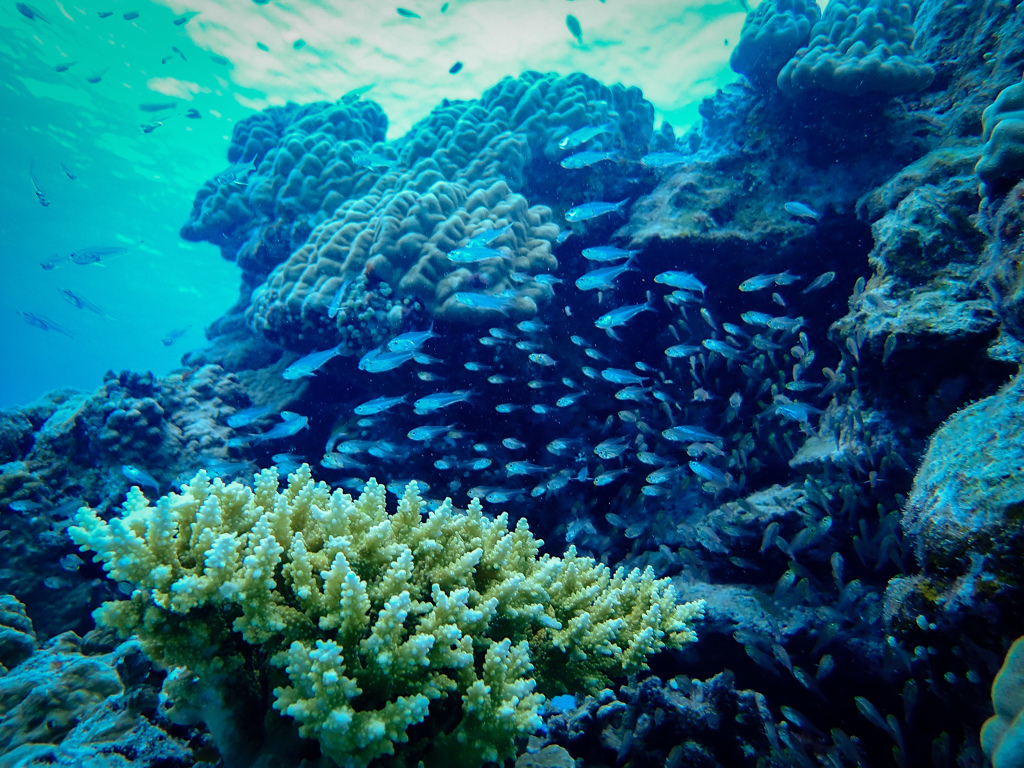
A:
(134, 187)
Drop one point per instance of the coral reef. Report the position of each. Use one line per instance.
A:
(859, 47)
(1000, 735)
(291, 167)
(771, 34)
(1002, 161)
(964, 526)
(379, 621)
(78, 701)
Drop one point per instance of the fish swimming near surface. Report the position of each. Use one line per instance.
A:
(68, 172)
(174, 335)
(64, 66)
(157, 106)
(30, 12)
(130, 15)
(311, 363)
(185, 18)
(40, 194)
(104, 14)
(95, 77)
(95, 253)
(355, 94)
(44, 323)
(193, 114)
(405, 13)
(592, 210)
(81, 303)
(574, 27)
(455, 68)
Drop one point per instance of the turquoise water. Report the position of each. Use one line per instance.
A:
(133, 187)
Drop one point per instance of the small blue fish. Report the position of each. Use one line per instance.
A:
(44, 323)
(412, 340)
(606, 478)
(378, 360)
(621, 316)
(612, 448)
(682, 350)
(588, 158)
(497, 302)
(287, 427)
(662, 159)
(455, 68)
(488, 236)
(249, 415)
(378, 405)
(589, 211)
(237, 174)
(689, 434)
(607, 253)
(622, 376)
(470, 253)
(583, 135)
(439, 400)
(684, 280)
(709, 473)
(423, 434)
(339, 295)
(311, 363)
(602, 279)
(802, 211)
(140, 477)
(574, 27)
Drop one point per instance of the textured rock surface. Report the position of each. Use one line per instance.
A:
(771, 34)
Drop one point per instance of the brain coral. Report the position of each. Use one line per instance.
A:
(1002, 161)
(306, 164)
(421, 633)
(461, 170)
(858, 47)
(771, 34)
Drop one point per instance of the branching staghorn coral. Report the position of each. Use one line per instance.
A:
(370, 623)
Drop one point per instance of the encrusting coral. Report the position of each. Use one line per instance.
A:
(369, 623)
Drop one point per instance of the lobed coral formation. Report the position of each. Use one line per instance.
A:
(1002, 160)
(380, 622)
(1001, 737)
(455, 171)
(859, 47)
(291, 167)
(772, 33)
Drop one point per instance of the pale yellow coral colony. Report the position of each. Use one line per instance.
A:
(375, 616)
